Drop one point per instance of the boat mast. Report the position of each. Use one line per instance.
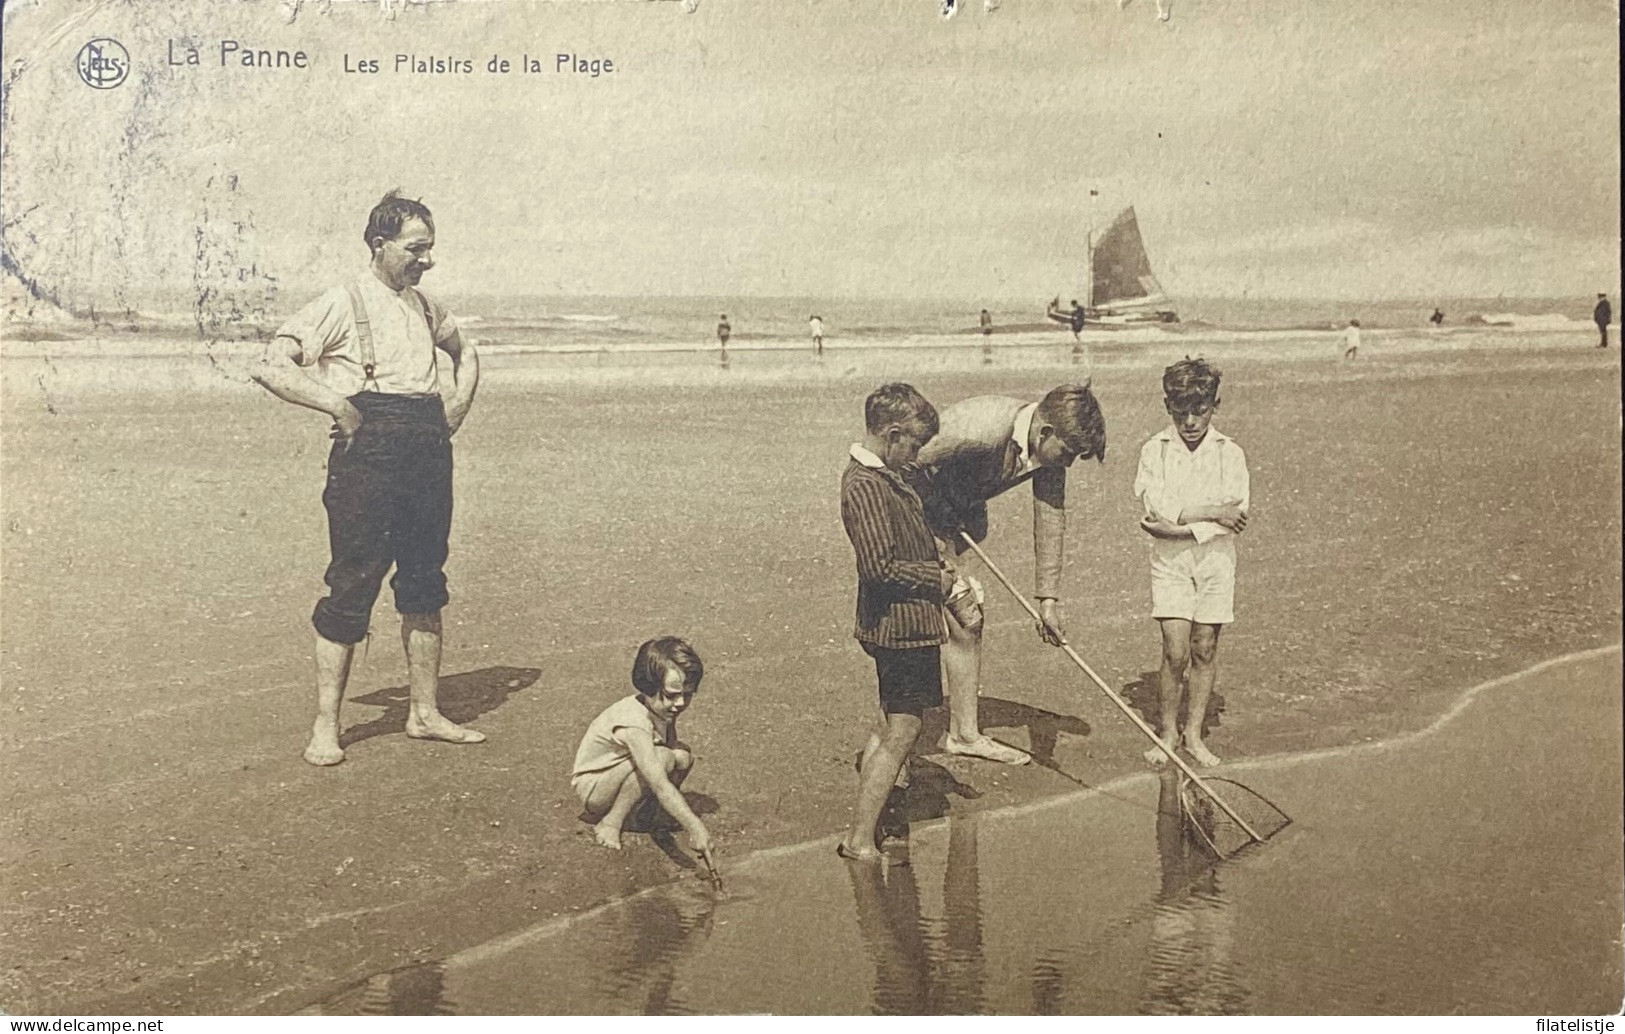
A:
(1089, 268)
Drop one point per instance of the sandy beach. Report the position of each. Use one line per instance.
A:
(1438, 514)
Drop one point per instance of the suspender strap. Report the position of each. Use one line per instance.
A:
(363, 331)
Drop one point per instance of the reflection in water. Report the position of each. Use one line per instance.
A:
(921, 967)
(643, 944)
(1192, 928)
(1068, 907)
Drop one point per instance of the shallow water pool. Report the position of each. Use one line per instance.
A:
(1472, 868)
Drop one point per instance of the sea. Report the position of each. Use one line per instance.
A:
(659, 324)
(607, 324)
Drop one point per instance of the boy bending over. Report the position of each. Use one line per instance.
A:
(631, 753)
(1193, 485)
(901, 587)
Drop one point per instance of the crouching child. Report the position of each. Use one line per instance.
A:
(631, 757)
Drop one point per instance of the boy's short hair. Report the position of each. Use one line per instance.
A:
(899, 403)
(659, 656)
(1072, 410)
(1191, 379)
(392, 213)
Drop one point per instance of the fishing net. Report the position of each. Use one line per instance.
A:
(1216, 830)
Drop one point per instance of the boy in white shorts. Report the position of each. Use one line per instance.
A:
(1193, 485)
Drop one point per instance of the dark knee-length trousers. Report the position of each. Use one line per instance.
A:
(388, 500)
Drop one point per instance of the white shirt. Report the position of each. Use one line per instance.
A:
(1022, 431)
(406, 361)
(1352, 335)
(1173, 478)
(817, 326)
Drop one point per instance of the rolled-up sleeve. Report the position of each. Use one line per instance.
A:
(1233, 475)
(1148, 480)
(321, 327)
(445, 324)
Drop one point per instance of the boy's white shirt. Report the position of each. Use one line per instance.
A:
(1022, 430)
(1172, 478)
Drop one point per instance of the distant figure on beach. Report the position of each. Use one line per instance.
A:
(986, 446)
(1437, 319)
(1193, 487)
(1351, 340)
(816, 324)
(987, 337)
(902, 583)
(630, 759)
(1603, 314)
(986, 320)
(724, 331)
(368, 354)
(1073, 317)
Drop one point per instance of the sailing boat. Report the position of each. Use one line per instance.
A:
(1122, 288)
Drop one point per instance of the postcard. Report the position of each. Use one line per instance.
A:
(810, 507)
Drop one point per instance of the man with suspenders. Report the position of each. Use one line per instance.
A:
(368, 355)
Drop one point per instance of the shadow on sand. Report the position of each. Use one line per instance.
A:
(463, 698)
(1142, 696)
(1043, 727)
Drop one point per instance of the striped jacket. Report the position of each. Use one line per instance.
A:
(974, 457)
(899, 572)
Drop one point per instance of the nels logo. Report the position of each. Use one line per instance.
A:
(103, 63)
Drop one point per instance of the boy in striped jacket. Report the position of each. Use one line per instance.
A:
(902, 583)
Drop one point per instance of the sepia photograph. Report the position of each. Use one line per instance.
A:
(797, 508)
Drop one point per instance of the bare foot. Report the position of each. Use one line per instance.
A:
(607, 835)
(323, 757)
(1156, 757)
(324, 750)
(871, 856)
(1198, 750)
(438, 728)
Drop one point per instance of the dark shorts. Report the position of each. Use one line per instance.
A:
(910, 680)
(388, 501)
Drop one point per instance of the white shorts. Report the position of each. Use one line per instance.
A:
(1194, 581)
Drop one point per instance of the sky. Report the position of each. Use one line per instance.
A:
(1271, 148)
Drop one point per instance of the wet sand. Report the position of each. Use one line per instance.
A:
(1423, 521)
(1421, 876)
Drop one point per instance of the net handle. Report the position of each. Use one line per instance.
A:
(1122, 705)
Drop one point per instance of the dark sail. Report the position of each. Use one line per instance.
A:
(1122, 272)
